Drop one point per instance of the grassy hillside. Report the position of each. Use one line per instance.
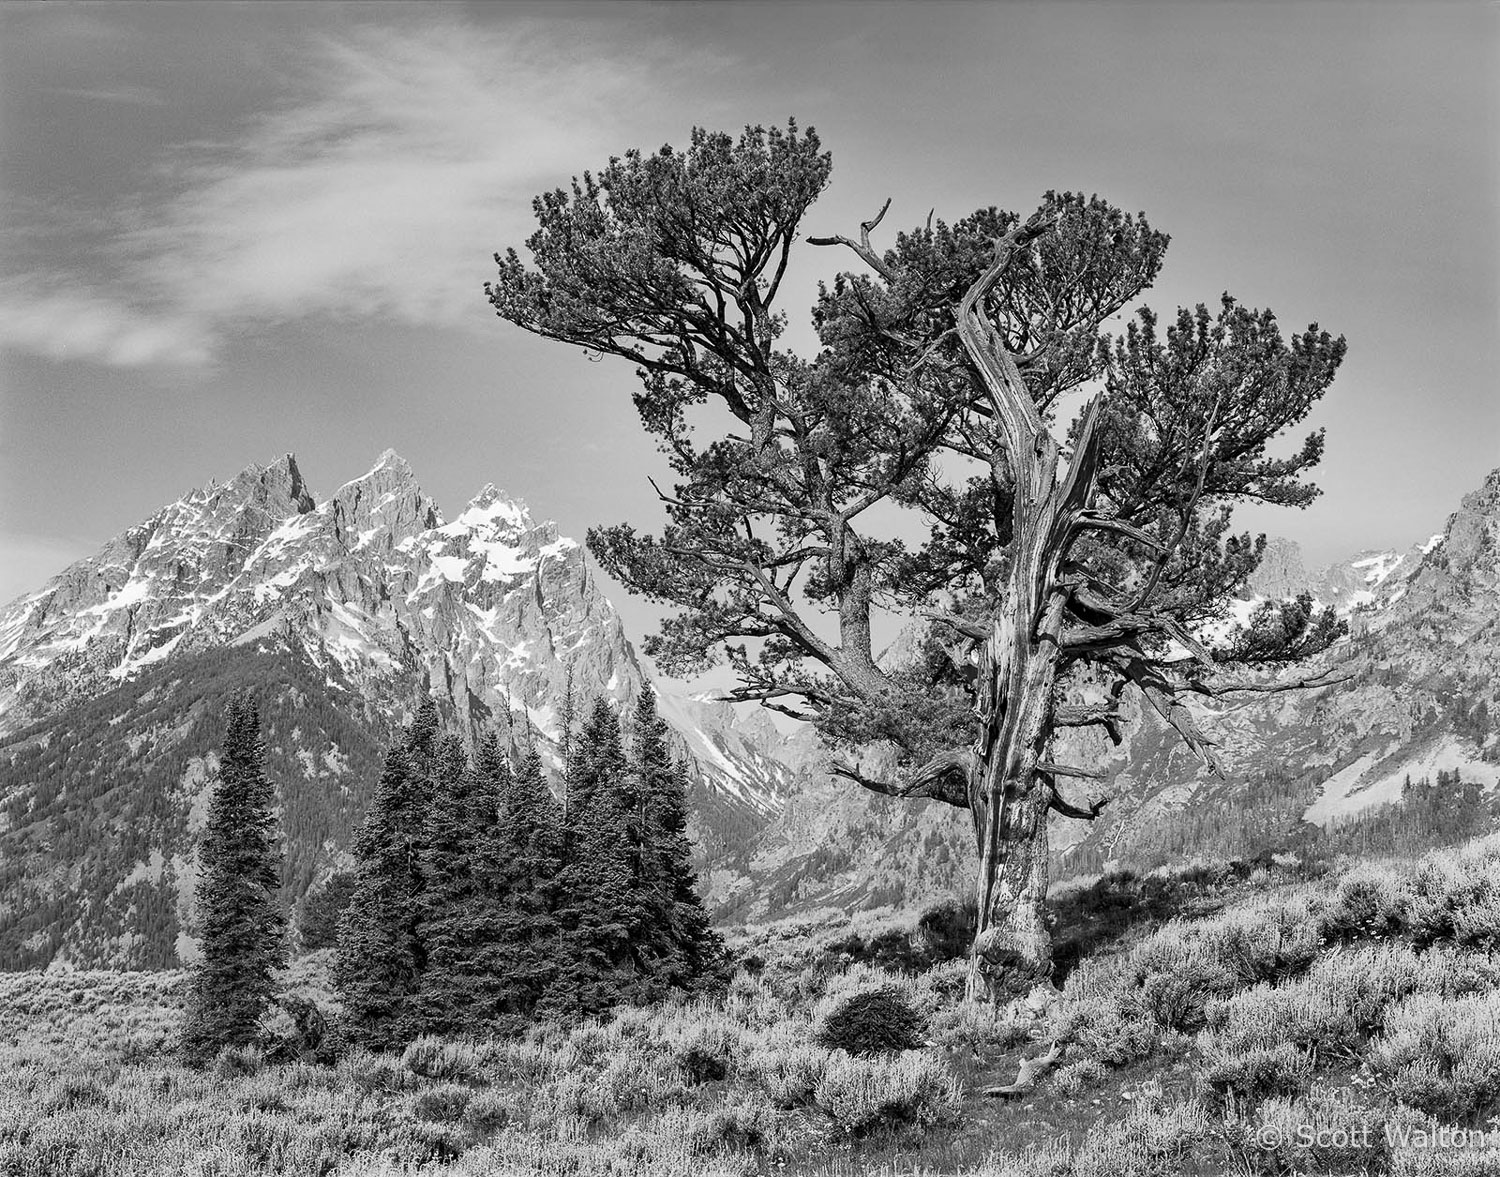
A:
(1210, 1020)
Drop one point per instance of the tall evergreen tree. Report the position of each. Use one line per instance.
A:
(566, 722)
(683, 949)
(530, 854)
(242, 926)
(455, 898)
(491, 955)
(595, 900)
(381, 953)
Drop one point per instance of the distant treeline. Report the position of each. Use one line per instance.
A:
(1266, 818)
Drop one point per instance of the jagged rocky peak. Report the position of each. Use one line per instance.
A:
(278, 487)
(382, 507)
(1472, 537)
(494, 507)
(371, 585)
(1281, 572)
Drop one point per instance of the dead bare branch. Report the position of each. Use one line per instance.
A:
(963, 625)
(1059, 804)
(943, 778)
(1087, 774)
(1306, 682)
(862, 247)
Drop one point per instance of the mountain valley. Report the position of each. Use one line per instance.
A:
(342, 612)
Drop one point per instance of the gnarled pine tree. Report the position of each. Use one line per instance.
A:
(1052, 554)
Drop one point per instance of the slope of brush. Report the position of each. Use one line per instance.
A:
(1202, 1039)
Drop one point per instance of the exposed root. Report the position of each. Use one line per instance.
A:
(1030, 1070)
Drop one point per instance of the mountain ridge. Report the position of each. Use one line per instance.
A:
(343, 612)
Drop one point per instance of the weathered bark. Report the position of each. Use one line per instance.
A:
(1008, 796)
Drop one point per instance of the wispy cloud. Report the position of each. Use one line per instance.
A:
(127, 95)
(409, 155)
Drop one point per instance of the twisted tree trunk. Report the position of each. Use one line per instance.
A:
(1008, 795)
(1010, 790)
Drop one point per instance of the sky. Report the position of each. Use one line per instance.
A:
(231, 231)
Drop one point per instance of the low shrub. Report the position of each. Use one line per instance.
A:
(1177, 998)
(369, 1072)
(1113, 1032)
(437, 1058)
(1366, 904)
(234, 1062)
(1455, 972)
(444, 1104)
(1257, 1072)
(790, 1077)
(742, 1126)
(1303, 1014)
(1417, 1149)
(875, 1021)
(862, 1094)
(706, 1048)
(75, 1091)
(976, 1027)
(489, 1111)
(1323, 1132)
(1442, 1056)
(636, 1079)
(1272, 942)
(1151, 1140)
(1074, 1077)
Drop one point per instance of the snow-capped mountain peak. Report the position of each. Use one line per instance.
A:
(493, 609)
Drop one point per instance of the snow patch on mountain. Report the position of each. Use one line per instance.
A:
(372, 585)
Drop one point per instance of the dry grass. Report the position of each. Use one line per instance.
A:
(1362, 1002)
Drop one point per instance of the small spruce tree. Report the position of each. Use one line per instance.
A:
(241, 924)
(381, 954)
(595, 900)
(686, 952)
(453, 895)
(529, 855)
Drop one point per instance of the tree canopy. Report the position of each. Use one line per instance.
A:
(1073, 489)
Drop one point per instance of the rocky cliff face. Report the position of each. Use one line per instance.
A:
(493, 610)
(1419, 678)
(344, 612)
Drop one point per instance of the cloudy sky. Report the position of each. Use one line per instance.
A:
(229, 231)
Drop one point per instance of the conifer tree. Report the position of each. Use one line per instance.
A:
(595, 900)
(381, 954)
(242, 926)
(1062, 555)
(456, 902)
(530, 858)
(566, 723)
(491, 952)
(686, 952)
